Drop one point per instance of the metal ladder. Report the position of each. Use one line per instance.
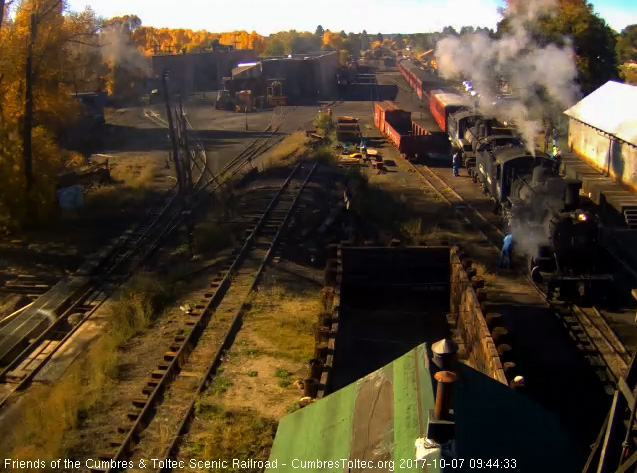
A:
(615, 450)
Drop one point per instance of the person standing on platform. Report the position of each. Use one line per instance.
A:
(506, 260)
(456, 163)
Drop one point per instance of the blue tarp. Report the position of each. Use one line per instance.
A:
(71, 198)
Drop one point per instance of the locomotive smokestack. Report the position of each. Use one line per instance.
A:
(571, 195)
(538, 176)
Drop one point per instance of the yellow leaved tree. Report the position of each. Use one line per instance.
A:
(54, 66)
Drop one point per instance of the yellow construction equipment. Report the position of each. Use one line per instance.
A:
(275, 95)
(244, 101)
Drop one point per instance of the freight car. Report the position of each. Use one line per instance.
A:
(443, 103)
(405, 133)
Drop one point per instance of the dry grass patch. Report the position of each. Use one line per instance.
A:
(115, 197)
(483, 272)
(257, 384)
(285, 322)
(48, 413)
(287, 151)
(132, 185)
(211, 237)
(137, 306)
(231, 433)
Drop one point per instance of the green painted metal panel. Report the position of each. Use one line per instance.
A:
(321, 431)
(406, 412)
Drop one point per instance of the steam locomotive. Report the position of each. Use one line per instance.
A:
(559, 238)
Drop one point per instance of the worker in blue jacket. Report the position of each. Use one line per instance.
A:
(456, 163)
(506, 254)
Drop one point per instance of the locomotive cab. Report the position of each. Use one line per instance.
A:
(457, 126)
(507, 171)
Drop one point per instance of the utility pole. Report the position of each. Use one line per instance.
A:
(187, 166)
(182, 167)
(28, 108)
(173, 136)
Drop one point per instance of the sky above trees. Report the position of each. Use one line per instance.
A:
(395, 16)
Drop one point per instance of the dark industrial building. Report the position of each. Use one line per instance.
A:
(200, 71)
(310, 76)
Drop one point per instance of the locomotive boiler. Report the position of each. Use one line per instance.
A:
(557, 236)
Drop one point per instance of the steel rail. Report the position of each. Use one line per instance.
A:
(189, 342)
(93, 295)
(95, 283)
(226, 343)
(173, 222)
(611, 360)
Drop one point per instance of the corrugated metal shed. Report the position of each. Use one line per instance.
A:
(379, 417)
(612, 109)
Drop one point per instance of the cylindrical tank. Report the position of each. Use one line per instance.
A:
(571, 195)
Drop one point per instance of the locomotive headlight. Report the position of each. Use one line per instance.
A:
(582, 217)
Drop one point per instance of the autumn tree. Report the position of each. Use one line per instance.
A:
(53, 107)
(302, 43)
(379, 38)
(364, 41)
(343, 56)
(592, 39)
(627, 45)
(274, 47)
(319, 31)
(332, 41)
(129, 23)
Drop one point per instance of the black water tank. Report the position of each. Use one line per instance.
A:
(571, 194)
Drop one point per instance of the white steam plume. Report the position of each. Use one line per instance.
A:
(527, 66)
(117, 48)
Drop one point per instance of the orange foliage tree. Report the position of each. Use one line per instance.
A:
(56, 66)
(154, 40)
(333, 41)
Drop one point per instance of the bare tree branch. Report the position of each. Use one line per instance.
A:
(71, 40)
(50, 9)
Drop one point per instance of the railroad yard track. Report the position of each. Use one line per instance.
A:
(586, 326)
(191, 360)
(31, 336)
(28, 341)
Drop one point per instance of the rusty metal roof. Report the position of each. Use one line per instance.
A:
(380, 416)
(612, 109)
